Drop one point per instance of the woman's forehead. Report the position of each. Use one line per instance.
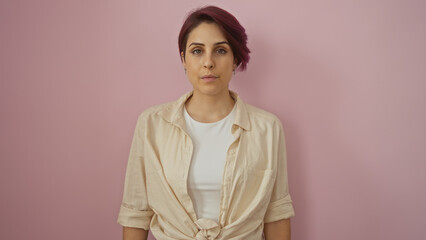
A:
(207, 34)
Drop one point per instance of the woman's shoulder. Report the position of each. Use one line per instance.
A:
(167, 110)
(262, 120)
(153, 111)
(258, 114)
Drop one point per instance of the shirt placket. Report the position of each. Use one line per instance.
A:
(188, 151)
(228, 172)
(183, 169)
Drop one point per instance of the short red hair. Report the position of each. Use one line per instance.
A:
(231, 28)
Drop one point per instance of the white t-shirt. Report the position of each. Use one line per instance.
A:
(210, 141)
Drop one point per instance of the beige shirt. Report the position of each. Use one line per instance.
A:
(254, 184)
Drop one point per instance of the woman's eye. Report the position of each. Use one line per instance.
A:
(221, 51)
(196, 51)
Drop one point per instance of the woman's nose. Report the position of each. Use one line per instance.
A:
(208, 61)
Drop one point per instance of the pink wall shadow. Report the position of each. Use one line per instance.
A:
(346, 79)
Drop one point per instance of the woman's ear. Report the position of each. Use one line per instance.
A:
(182, 57)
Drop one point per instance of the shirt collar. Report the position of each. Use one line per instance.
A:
(173, 113)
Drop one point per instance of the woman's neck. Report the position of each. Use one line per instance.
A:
(209, 108)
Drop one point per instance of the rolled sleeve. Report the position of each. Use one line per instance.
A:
(134, 209)
(280, 205)
(129, 217)
(280, 209)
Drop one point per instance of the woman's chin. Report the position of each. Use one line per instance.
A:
(211, 90)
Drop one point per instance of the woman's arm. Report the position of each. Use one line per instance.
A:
(279, 230)
(134, 233)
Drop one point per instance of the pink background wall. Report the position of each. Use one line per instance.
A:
(347, 79)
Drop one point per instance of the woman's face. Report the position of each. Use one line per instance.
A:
(209, 60)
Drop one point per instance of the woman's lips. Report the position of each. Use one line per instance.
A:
(208, 78)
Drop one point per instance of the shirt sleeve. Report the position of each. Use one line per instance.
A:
(280, 206)
(134, 209)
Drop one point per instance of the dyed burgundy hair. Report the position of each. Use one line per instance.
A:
(235, 33)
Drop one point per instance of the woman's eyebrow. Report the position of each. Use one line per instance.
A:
(195, 43)
(223, 42)
(202, 44)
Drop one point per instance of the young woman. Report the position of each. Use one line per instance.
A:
(208, 166)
